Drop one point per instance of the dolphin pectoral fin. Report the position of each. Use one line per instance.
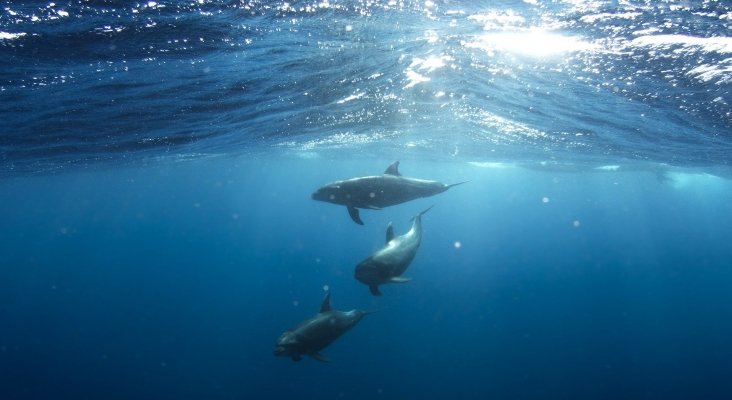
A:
(353, 212)
(319, 357)
(296, 357)
(374, 289)
(393, 169)
(399, 279)
(389, 233)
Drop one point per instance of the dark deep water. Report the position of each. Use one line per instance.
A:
(157, 232)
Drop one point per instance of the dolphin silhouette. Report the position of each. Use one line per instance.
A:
(389, 263)
(315, 333)
(377, 192)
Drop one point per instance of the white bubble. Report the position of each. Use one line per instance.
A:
(295, 303)
(326, 288)
(576, 223)
(457, 244)
(545, 199)
(349, 28)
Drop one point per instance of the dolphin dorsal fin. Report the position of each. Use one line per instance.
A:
(325, 305)
(393, 169)
(389, 233)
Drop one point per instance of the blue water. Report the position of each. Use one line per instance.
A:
(157, 232)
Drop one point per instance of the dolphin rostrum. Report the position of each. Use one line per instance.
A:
(315, 333)
(377, 192)
(389, 263)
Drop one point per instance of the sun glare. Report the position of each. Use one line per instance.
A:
(532, 42)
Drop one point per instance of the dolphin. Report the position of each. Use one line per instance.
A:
(377, 192)
(389, 263)
(315, 333)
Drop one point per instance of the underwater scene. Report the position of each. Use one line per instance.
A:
(368, 199)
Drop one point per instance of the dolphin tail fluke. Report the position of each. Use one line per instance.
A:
(455, 184)
(422, 213)
(427, 209)
(374, 289)
(319, 357)
(353, 212)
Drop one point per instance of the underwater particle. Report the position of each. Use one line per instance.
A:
(544, 199)
(576, 223)
(457, 244)
(235, 216)
(326, 288)
(349, 28)
(295, 303)
(317, 260)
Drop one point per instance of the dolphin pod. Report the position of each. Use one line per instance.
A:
(377, 192)
(386, 265)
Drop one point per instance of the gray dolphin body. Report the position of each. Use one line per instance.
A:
(377, 192)
(389, 263)
(316, 333)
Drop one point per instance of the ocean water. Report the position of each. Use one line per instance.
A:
(157, 232)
